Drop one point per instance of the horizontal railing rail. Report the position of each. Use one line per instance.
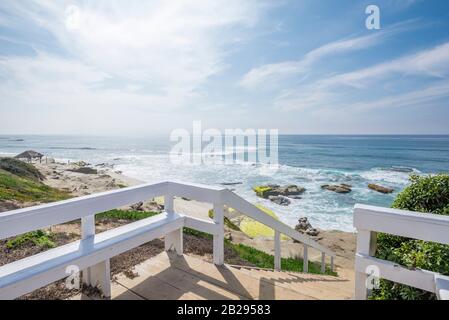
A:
(24, 220)
(370, 220)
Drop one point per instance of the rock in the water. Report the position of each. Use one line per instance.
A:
(231, 183)
(380, 189)
(275, 190)
(280, 200)
(341, 188)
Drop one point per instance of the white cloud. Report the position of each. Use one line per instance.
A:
(278, 71)
(131, 54)
(331, 91)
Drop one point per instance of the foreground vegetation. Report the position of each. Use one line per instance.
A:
(22, 182)
(428, 194)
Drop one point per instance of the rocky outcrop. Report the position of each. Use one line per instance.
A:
(280, 200)
(304, 226)
(265, 191)
(340, 188)
(380, 189)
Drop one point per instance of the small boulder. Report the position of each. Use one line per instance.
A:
(138, 206)
(312, 232)
(265, 191)
(341, 188)
(303, 225)
(380, 189)
(280, 200)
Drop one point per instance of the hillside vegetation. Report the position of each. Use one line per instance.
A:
(22, 182)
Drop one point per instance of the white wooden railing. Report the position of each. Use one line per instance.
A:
(370, 220)
(92, 253)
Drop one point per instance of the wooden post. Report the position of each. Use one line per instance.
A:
(323, 262)
(219, 236)
(277, 250)
(98, 275)
(174, 241)
(305, 266)
(366, 245)
(332, 264)
(169, 205)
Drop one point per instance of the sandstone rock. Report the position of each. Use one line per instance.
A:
(280, 200)
(341, 188)
(380, 189)
(312, 232)
(138, 206)
(265, 191)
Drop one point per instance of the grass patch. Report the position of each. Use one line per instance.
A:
(264, 260)
(13, 187)
(125, 215)
(21, 169)
(40, 238)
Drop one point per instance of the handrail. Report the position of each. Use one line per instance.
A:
(250, 210)
(28, 219)
(422, 226)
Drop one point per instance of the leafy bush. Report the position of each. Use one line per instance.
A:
(424, 194)
(40, 238)
(125, 215)
(21, 169)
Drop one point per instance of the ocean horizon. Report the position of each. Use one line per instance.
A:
(305, 160)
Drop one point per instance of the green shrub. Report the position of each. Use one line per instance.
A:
(424, 194)
(40, 238)
(125, 215)
(13, 187)
(21, 169)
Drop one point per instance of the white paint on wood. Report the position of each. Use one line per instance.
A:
(442, 287)
(423, 226)
(202, 225)
(277, 250)
(366, 245)
(174, 242)
(417, 278)
(427, 227)
(323, 262)
(28, 274)
(305, 265)
(219, 236)
(93, 252)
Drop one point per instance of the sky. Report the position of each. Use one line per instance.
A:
(116, 67)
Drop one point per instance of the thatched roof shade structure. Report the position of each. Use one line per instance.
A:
(30, 155)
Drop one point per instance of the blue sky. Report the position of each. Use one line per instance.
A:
(148, 67)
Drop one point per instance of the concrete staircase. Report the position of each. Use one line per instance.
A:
(168, 276)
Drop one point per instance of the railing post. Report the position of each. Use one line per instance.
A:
(277, 250)
(332, 264)
(98, 275)
(174, 239)
(305, 265)
(323, 262)
(366, 245)
(169, 205)
(219, 236)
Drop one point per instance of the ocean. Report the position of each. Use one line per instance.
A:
(306, 160)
